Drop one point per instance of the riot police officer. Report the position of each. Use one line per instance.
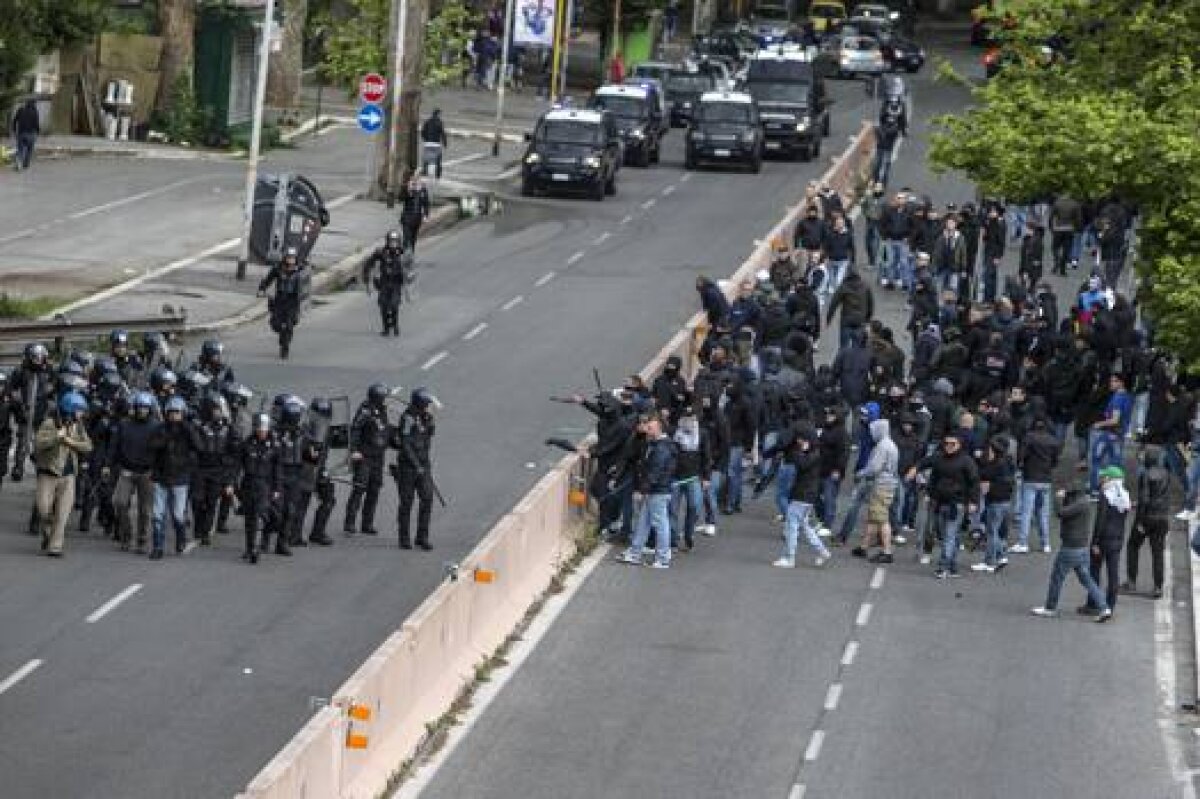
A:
(289, 277)
(32, 387)
(217, 456)
(163, 383)
(369, 436)
(95, 480)
(238, 397)
(212, 362)
(415, 211)
(129, 466)
(155, 352)
(298, 459)
(128, 364)
(392, 263)
(260, 480)
(414, 435)
(9, 418)
(320, 415)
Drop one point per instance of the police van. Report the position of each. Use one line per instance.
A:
(791, 99)
(573, 150)
(638, 112)
(725, 128)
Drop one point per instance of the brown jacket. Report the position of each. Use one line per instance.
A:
(54, 445)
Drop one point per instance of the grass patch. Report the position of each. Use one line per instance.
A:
(18, 307)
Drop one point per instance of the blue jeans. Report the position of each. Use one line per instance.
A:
(862, 493)
(1078, 561)
(993, 519)
(24, 154)
(798, 517)
(829, 494)
(735, 475)
(950, 517)
(1106, 449)
(784, 479)
(1141, 406)
(1193, 482)
(837, 273)
(895, 260)
(175, 500)
(690, 494)
(712, 498)
(656, 513)
(874, 243)
(1035, 496)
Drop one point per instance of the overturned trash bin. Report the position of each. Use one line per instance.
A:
(288, 212)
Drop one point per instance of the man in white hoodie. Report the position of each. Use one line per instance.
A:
(881, 472)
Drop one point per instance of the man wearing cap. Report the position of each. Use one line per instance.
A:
(1108, 536)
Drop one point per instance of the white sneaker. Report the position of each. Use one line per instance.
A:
(629, 557)
(647, 550)
(1045, 613)
(1019, 549)
(658, 564)
(821, 560)
(825, 532)
(899, 539)
(925, 560)
(1045, 549)
(1186, 515)
(778, 518)
(785, 563)
(709, 530)
(982, 567)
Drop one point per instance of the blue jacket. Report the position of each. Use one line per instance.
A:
(658, 467)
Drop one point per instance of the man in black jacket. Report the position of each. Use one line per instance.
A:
(369, 437)
(414, 465)
(742, 418)
(1108, 535)
(290, 278)
(260, 480)
(1150, 522)
(433, 143)
(654, 485)
(129, 466)
(1037, 459)
(172, 458)
(857, 303)
(805, 457)
(953, 486)
(1075, 531)
(26, 127)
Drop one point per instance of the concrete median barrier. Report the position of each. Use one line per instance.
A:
(378, 718)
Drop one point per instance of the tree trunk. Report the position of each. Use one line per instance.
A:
(409, 116)
(283, 76)
(177, 27)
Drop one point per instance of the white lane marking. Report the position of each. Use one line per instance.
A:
(626, 220)
(1165, 669)
(877, 578)
(649, 203)
(486, 694)
(108, 607)
(434, 361)
(603, 237)
(544, 279)
(850, 653)
(576, 258)
(475, 331)
(833, 696)
(864, 615)
(466, 159)
(133, 198)
(814, 746)
(513, 303)
(797, 792)
(668, 191)
(19, 674)
(685, 178)
(20, 234)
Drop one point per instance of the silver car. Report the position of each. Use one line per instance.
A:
(859, 56)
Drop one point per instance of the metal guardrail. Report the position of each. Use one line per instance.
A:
(59, 332)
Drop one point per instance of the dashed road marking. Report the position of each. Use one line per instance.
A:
(434, 361)
(603, 237)
(190, 546)
(19, 674)
(685, 177)
(475, 331)
(850, 653)
(833, 696)
(544, 279)
(574, 259)
(513, 303)
(133, 198)
(649, 203)
(108, 607)
(877, 578)
(626, 220)
(797, 792)
(864, 615)
(668, 191)
(814, 746)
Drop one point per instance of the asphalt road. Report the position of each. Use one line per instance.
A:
(195, 681)
(725, 677)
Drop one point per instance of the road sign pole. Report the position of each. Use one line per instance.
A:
(260, 94)
(504, 50)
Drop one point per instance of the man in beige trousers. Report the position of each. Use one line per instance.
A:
(59, 443)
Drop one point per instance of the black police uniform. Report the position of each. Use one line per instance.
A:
(9, 419)
(414, 212)
(285, 305)
(368, 437)
(391, 263)
(298, 459)
(32, 387)
(97, 483)
(318, 433)
(217, 461)
(260, 482)
(415, 439)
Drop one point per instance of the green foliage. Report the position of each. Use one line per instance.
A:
(1119, 115)
(634, 13)
(182, 120)
(18, 307)
(31, 27)
(358, 43)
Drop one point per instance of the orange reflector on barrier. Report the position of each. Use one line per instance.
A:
(485, 576)
(360, 712)
(577, 498)
(354, 741)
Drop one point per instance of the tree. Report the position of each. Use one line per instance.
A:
(177, 27)
(284, 68)
(1115, 111)
(31, 27)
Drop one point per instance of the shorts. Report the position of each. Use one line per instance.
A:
(879, 504)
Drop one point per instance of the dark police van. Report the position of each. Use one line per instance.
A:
(639, 118)
(573, 150)
(791, 101)
(684, 88)
(725, 129)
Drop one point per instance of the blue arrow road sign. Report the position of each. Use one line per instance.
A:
(370, 118)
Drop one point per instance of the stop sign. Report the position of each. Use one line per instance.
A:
(372, 88)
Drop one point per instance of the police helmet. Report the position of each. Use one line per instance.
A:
(393, 238)
(293, 411)
(175, 405)
(236, 394)
(214, 407)
(36, 354)
(261, 423)
(162, 379)
(421, 398)
(106, 366)
(85, 359)
(291, 253)
(153, 342)
(70, 367)
(377, 393)
(109, 385)
(211, 351)
(321, 407)
(72, 403)
(118, 338)
(142, 400)
(3, 379)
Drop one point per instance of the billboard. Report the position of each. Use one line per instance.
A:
(533, 22)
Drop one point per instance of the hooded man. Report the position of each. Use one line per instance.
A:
(882, 473)
(857, 304)
(1108, 534)
(1150, 521)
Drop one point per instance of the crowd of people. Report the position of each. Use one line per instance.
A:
(123, 439)
(953, 443)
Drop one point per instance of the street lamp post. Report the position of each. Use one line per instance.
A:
(260, 95)
(508, 34)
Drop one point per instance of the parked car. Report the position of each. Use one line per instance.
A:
(573, 150)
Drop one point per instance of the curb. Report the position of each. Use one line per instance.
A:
(52, 151)
(325, 281)
(487, 135)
